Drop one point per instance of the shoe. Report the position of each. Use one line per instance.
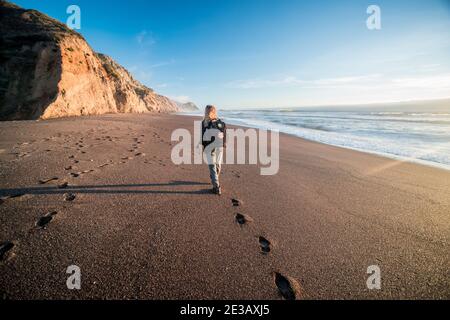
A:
(217, 190)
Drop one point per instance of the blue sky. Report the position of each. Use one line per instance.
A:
(272, 53)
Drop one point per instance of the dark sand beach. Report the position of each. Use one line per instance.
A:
(140, 227)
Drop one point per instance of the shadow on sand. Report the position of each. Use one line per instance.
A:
(106, 189)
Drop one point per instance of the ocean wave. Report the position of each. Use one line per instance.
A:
(424, 142)
(347, 117)
(421, 140)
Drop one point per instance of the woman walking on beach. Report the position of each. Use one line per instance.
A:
(212, 128)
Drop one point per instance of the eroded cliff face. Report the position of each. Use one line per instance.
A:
(50, 71)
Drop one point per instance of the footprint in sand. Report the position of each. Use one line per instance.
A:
(44, 181)
(236, 202)
(69, 197)
(243, 219)
(5, 249)
(63, 185)
(266, 245)
(45, 220)
(288, 287)
(23, 155)
(236, 174)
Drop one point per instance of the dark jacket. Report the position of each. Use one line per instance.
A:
(214, 124)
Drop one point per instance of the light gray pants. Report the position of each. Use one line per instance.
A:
(216, 166)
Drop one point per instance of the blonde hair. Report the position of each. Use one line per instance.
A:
(210, 113)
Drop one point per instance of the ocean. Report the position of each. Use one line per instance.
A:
(422, 137)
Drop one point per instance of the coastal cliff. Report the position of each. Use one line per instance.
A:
(49, 71)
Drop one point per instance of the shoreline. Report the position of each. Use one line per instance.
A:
(140, 227)
(390, 156)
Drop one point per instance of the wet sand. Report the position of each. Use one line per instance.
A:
(102, 193)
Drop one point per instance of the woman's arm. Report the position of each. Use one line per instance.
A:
(224, 135)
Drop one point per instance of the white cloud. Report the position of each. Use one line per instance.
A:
(370, 81)
(263, 83)
(342, 81)
(430, 67)
(145, 38)
(428, 82)
(291, 81)
(360, 89)
(162, 64)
